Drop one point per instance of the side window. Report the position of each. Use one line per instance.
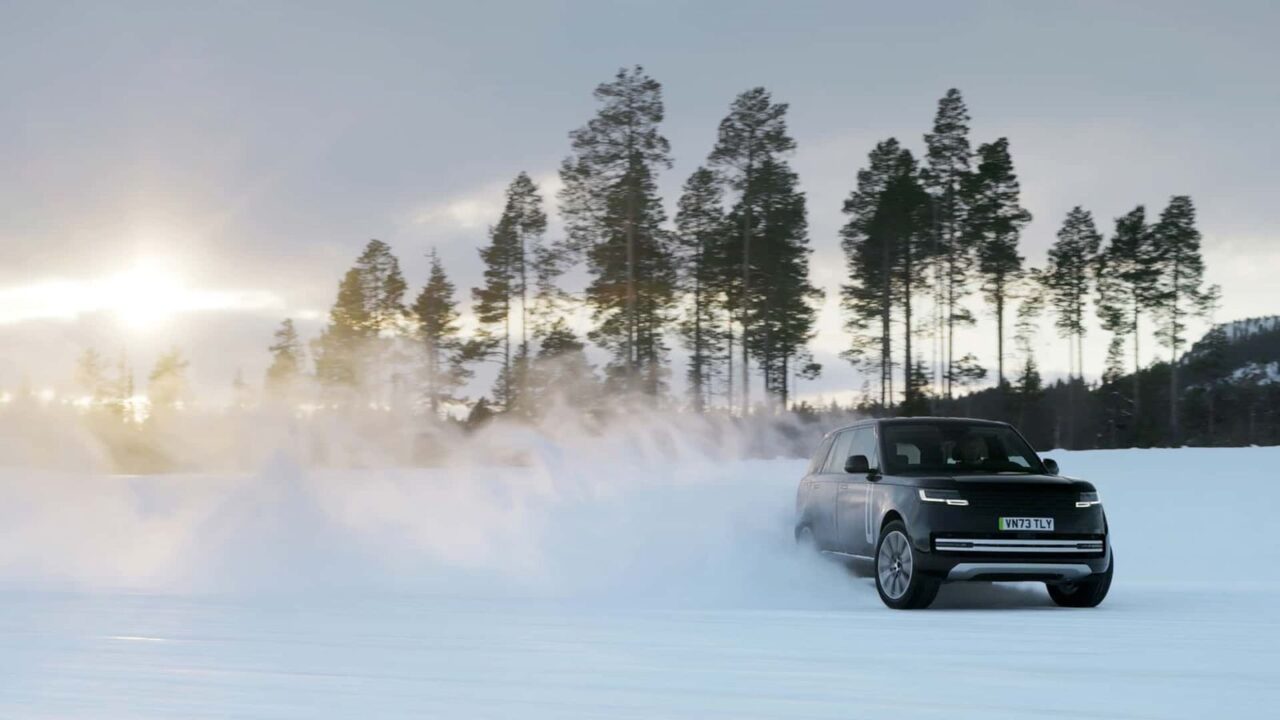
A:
(819, 456)
(864, 443)
(839, 452)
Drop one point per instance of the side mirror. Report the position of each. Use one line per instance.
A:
(857, 464)
(1050, 465)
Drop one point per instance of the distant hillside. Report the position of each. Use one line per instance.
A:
(1241, 351)
(1240, 329)
(1228, 387)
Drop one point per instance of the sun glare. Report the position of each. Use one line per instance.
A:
(145, 295)
(141, 297)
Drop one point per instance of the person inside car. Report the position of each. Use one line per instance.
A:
(972, 450)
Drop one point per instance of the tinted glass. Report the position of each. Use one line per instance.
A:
(950, 447)
(839, 452)
(864, 443)
(819, 457)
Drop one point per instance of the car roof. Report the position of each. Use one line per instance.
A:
(926, 419)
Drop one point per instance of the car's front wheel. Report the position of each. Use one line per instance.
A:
(1084, 593)
(900, 583)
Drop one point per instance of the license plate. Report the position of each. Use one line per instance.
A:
(1027, 523)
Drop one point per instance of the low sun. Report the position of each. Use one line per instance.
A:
(145, 295)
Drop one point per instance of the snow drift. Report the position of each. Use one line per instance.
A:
(657, 506)
(660, 508)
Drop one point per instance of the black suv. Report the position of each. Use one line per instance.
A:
(922, 501)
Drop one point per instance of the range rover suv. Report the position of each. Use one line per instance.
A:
(922, 501)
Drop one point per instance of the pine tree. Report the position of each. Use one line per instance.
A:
(339, 349)
(995, 223)
(1029, 389)
(1031, 305)
(1179, 289)
(966, 372)
(382, 287)
(1127, 274)
(358, 344)
(436, 315)
(1069, 277)
(285, 370)
(612, 212)
(780, 310)
(700, 233)
(515, 252)
(167, 384)
(752, 134)
(945, 175)
(561, 370)
(384, 292)
(480, 414)
(902, 220)
(528, 222)
(1114, 366)
(492, 306)
(868, 297)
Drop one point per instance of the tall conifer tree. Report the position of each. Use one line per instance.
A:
(1179, 289)
(1126, 288)
(1069, 278)
(339, 349)
(945, 174)
(780, 307)
(700, 232)
(515, 255)
(903, 225)
(357, 345)
(436, 314)
(868, 295)
(612, 212)
(996, 219)
(753, 134)
(285, 370)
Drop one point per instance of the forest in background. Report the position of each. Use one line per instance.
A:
(931, 239)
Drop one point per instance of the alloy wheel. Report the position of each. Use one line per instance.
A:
(894, 565)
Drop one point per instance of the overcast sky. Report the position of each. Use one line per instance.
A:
(237, 155)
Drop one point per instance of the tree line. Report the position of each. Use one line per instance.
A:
(923, 237)
(930, 241)
(727, 276)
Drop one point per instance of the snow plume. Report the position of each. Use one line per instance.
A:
(653, 506)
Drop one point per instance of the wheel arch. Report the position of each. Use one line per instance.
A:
(889, 516)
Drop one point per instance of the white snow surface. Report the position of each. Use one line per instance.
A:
(604, 581)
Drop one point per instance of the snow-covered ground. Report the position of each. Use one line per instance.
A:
(607, 584)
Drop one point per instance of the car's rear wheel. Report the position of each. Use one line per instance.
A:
(898, 580)
(804, 540)
(1085, 593)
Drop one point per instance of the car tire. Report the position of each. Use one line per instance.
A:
(898, 579)
(805, 541)
(1084, 593)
